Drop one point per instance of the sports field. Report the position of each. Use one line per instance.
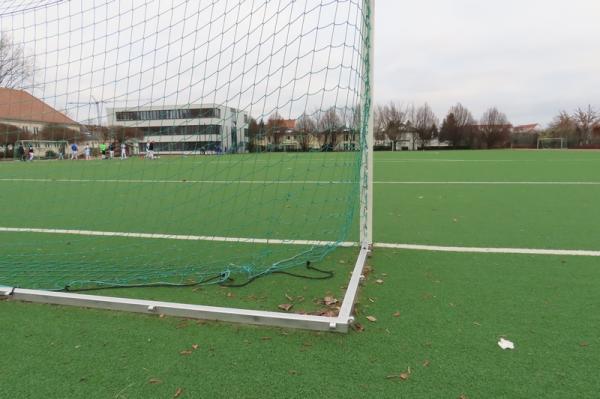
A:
(429, 319)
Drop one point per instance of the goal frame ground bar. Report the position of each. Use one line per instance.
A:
(339, 324)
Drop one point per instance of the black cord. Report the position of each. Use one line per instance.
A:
(327, 275)
(157, 285)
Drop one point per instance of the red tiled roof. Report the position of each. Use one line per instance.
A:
(287, 123)
(19, 105)
(525, 128)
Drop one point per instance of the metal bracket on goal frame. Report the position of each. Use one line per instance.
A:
(340, 324)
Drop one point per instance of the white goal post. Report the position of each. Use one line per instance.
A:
(552, 143)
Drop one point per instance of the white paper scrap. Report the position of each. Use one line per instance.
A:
(506, 344)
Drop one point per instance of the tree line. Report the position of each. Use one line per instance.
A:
(459, 128)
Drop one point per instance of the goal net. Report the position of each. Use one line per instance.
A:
(216, 140)
(559, 143)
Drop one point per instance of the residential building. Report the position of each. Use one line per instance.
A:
(177, 129)
(31, 117)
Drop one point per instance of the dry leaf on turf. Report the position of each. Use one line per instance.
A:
(178, 393)
(289, 298)
(154, 381)
(358, 327)
(329, 300)
(372, 319)
(379, 281)
(584, 344)
(402, 376)
(286, 307)
(185, 353)
(397, 314)
(426, 363)
(195, 346)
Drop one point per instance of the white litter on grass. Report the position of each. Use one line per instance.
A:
(505, 344)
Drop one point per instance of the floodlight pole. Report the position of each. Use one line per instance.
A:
(366, 195)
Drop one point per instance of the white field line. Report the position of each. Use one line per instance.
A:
(428, 248)
(315, 182)
(496, 183)
(515, 251)
(176, 237)
(182, 181)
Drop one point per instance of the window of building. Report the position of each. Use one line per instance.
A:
(168, 114)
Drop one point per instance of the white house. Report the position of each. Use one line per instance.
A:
(194, 128)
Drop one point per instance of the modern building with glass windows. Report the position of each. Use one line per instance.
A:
(190, 129)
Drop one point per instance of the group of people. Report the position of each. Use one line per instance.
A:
(106, 152)
(21, 153)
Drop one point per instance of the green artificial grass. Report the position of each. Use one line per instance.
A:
(452, 308)
(438, 316)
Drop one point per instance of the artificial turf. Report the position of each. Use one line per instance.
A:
(438, 315)
(452, 308)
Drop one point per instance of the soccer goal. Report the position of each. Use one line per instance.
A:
(183, 108)
(552, 143)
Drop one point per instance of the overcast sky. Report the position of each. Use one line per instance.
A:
(530, 58)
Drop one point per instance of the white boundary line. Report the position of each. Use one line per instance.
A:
(315, 182)
(178, 237)
(182, 181)
(272, 241)
(499, 183)
(512, 251)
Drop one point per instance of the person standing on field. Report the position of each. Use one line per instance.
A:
(21, 152)
(150, 150)
(123, 151)
(87, 152)
(30, 152)
(74, 150)
(103, 150)
(111, 150)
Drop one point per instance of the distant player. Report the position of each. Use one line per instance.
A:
(21, 152)
(87, 151)
(103, 150)
(74, 150)
(111, 150)
(150, 150)
(123, 151)
(30, 152)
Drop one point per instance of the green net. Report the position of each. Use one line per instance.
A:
(178, 142)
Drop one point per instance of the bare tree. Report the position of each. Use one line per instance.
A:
(462, 132)
(393, 121)
(563, 125)
(305, 128)
(495, 129)
(329, 123)
(450, 131)
(276, 128)
(425, 124)
(585, 120)
(15, 68)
